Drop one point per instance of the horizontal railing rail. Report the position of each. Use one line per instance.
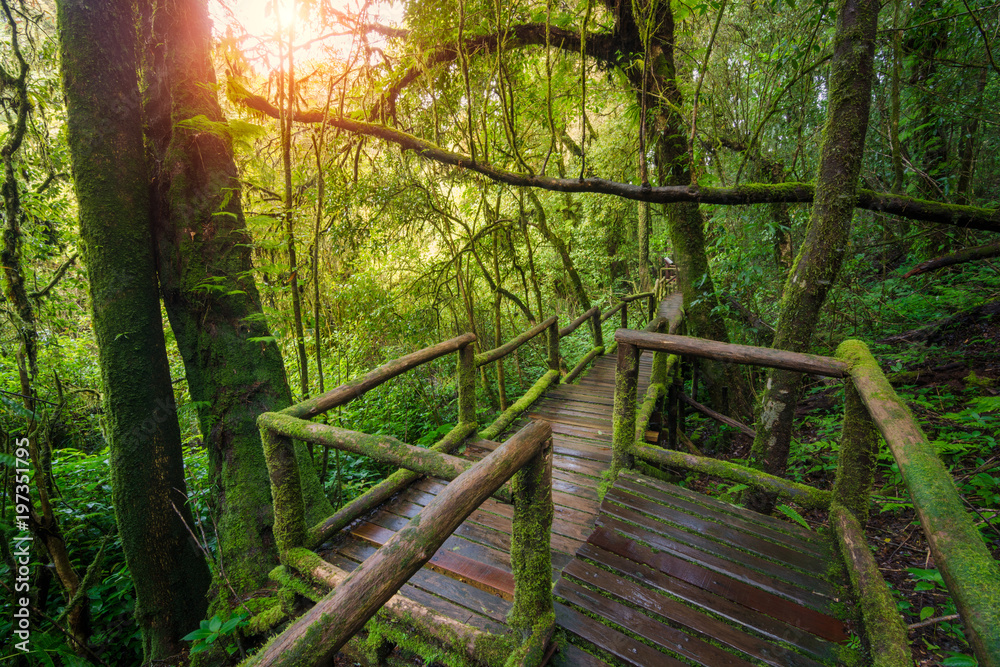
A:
(872, 407)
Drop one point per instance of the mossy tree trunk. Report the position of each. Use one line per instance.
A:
(232, 364)
(685, 221)
(97, 42)
(818, 262)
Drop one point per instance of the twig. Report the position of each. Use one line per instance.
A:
(932, 621)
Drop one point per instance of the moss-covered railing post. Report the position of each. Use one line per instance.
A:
(466, 385)
(652, 307)
(595, 320)
(966, 565)
(532, 614)
(626, 387)
(553, 346)
(286, 491)
(624, 311)
(859, 443)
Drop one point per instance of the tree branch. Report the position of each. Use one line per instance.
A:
(905, 207)
(56, 277)
(960, 257)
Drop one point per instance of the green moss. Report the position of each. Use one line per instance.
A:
(806, 496)
(885, 631)
(522, 404)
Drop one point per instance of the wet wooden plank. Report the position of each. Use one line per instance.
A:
(623, 647)
(651, 601)
(733, 612)
(492, 606)
(437, 603)
(718, 582)
(733, 520)
(668, 638)
(483, 576)
(763, 519)
(727, 534)
(574, 656)
(763, 573)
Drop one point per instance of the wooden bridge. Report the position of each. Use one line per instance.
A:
(641, 571)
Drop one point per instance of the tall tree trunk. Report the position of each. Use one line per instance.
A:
(99, 66)
(233, 367)
(728, 387)
(819, 259)
(643, 225)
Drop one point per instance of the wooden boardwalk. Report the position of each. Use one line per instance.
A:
(656, 575)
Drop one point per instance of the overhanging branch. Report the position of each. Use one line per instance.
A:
(905, 207)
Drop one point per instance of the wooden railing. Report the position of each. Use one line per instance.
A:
(526, 456)
(316, 636)
(872, 407)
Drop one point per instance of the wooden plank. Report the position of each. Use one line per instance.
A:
(668, 638)
(435, 602)
(736, 521)
(774, 578)
(493, 530)
(720, 583)
(733, 612)
(677, 612)
(621, 646)
(725, 533)
(694, 496)
(470, 597)
(574, 656)
(483, 576)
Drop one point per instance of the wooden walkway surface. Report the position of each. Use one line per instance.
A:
(656, 575)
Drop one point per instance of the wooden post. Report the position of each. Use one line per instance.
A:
(626, 386)
(625, 315)
(466, 384)
(554, 346)
(859, 443)
(694, 378)
(530, 555)
(652, 307)
(286, 491)
(680, 407)
(672, 402)
(596, 325)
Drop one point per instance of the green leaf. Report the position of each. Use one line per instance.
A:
(926, 613)
(215, 624)
(959, 660)
(794, 516)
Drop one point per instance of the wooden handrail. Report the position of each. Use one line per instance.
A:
(382, 448)
(499, 352)
(316, 636)
(969, 571)
(744, 354)
(572, 326)
(607, 314)
(348, 392)
(636, 297)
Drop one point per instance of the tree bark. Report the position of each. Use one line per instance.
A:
(232, 364)
(818, 262)
(99, 66)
